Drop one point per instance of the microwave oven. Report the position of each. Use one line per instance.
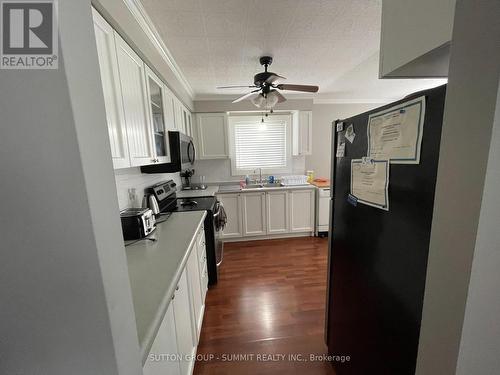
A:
(182, 155)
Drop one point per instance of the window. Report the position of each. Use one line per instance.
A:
(256, 144)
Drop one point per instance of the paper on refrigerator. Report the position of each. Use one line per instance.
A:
(370, 182)
(395, 134)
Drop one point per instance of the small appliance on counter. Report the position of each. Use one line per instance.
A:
(137, 223)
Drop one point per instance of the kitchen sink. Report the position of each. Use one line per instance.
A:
(261, 186)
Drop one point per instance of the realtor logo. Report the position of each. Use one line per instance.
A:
(29, 34)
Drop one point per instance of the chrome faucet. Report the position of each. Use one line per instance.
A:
(260, 176)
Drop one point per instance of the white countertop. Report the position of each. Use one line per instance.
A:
(154, 269)
(208, 192)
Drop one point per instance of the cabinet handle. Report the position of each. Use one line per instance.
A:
(177, 287)
(173, 296)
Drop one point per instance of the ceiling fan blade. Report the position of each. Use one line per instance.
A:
(305, 88)
(235, 87)
(281, 98)
(273, 77)
(246, 96)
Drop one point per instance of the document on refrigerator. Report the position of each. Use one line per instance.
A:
(370, 182)
(395, 134)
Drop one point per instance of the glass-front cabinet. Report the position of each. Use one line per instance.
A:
(157, 117)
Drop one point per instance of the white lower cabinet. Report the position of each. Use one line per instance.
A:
(162, 358)
(195, 286)
(277, 212)
(301, 210)
(183, 324)
(174, 347)
(232, 206)
(268, 213)
(254, 214)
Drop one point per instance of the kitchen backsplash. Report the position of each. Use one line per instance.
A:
(219, 170)
(133, 178)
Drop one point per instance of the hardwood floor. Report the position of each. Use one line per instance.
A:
(270, 299)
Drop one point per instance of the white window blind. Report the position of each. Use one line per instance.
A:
(260, 145)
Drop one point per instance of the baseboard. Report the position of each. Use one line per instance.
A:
(269, 237)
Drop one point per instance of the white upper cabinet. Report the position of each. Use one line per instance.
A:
(302, 207)
(211, 131)
(169, 103)
(157, 119)
(133, 85)
(178, 114)
(106, 52)
(302, 133)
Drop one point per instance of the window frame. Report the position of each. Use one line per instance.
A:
(232, 118)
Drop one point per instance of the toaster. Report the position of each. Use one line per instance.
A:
(137, 223)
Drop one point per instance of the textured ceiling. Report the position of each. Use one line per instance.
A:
(219, 42)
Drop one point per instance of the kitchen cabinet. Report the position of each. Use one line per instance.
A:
(165, 343)
(232, 206)
(183, 324)
(301, 210)
(211, 132)
(133, 88)
(157, 117)
(277, 212)
(254, 213)
(195, 287)
(302, 133)
(106, 52)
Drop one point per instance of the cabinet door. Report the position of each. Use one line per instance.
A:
(157, 118)
(169, 105)
(212, 135)
(194, 279)
(179, 122)
(277, 212)
(133, 85)
(305, 129)
(254, 213)
(110, 79)
(232, 206)
(165, 343)
(183, 324)
(301, 210)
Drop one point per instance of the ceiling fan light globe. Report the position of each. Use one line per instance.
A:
(258, 101)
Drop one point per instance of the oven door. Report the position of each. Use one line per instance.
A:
(187, 151)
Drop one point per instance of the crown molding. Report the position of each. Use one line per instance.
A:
(353, 101)
(142, 18)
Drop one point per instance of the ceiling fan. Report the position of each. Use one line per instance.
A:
(266, 94)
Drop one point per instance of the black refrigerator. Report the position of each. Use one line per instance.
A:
(378, 259)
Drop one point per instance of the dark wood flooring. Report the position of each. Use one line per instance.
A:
(270, 299)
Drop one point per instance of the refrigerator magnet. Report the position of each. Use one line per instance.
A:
(351, 199)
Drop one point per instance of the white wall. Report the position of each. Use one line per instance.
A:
(219, 170)
(415, 37)
(132, 178)
(323, 116)
(480, 342)
(466, 215)
(66, 303)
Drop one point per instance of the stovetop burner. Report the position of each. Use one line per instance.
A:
(188, 203)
